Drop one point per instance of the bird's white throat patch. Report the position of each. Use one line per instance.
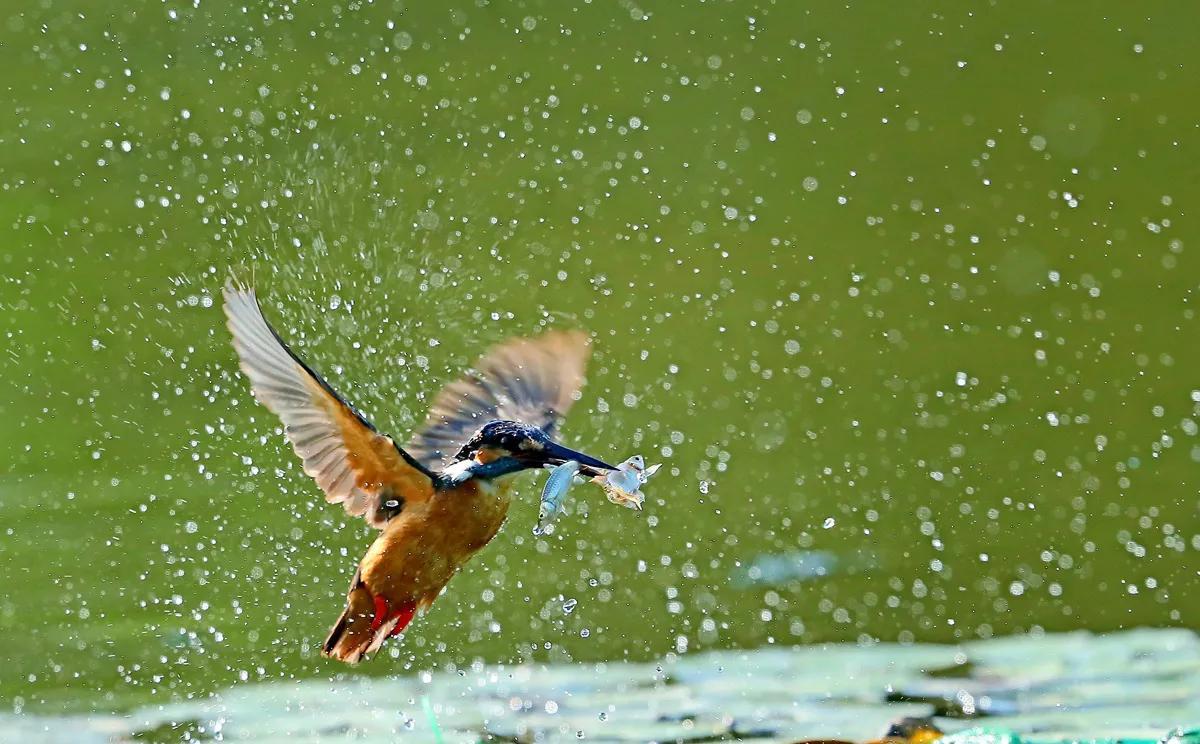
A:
(459, 472)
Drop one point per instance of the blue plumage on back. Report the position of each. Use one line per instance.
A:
(532, 381)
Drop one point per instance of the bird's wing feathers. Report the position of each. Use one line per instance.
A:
(532, 380)
(353, 464)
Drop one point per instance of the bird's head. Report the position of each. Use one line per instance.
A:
(523, 447)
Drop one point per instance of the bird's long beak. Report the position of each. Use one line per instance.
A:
(556, 454)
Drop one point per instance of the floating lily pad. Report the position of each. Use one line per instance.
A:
(1137, 686)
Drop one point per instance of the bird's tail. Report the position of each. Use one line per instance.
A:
(365, 624)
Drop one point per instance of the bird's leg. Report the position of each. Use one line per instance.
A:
(381, 612)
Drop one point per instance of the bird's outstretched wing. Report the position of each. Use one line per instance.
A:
(353, 464)
(532, 380)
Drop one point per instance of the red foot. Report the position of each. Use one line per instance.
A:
(403, 616)
(381, 613)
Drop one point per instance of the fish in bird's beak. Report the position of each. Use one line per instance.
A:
(624, 484)
(553, 495)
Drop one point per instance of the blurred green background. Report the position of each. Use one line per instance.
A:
(908, 285)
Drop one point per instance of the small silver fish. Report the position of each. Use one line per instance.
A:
(623, 486)
(554, 493)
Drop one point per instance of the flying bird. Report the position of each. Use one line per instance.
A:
(441, 497)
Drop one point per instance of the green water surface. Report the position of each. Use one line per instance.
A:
(911, 285)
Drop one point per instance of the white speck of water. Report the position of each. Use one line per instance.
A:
(829, 522)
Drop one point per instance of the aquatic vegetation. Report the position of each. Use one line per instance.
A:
(1132, 687)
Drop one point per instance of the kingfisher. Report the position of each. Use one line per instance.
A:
(444, 495)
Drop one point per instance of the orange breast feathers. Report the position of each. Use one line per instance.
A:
(422, 548)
